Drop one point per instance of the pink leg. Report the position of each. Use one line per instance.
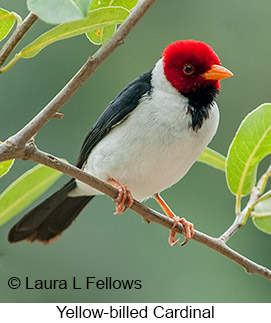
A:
(124, 197)
(189, 228)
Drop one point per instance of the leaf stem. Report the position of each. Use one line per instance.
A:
(238, 204)
(10, 63)
(263, 180)
(17, 35)
(242, 216)
(264, 197)
(17, 17)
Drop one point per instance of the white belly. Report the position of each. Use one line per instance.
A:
(152, 149)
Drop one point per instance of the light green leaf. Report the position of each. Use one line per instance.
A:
(262, 216)
(7, 21)
(100, 36)
(59, 11)
(263, 223)
(98, 18)
(250, 145)
(128, 4)
(213, 158)
(25, 190)
(5, 166)
(263, 181)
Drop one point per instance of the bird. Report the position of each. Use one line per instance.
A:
(144, 142)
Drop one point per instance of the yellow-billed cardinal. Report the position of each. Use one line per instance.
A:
(146, 139)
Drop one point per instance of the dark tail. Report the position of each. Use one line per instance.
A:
(46, 221)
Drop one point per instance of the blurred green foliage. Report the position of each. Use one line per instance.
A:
(124, 247)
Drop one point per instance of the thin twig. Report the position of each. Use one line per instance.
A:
(18, 34)
(58, 115)
(82, 75)
(20, 146)
(241, 216)
(255, 197)
(148, 214)
(17, 142)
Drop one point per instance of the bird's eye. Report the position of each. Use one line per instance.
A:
(188, 69)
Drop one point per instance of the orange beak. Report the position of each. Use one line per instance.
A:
(217, 73)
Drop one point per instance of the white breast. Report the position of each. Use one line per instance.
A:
(154, 147)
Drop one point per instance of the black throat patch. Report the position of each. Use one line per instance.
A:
(200, 104)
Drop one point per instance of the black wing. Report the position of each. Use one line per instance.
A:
(118, 109)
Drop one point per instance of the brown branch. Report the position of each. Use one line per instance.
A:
(32, 153)
(58, 115)
(21, 146)
(18, 34)
(148, 214)
(17, 142)
(82, 75)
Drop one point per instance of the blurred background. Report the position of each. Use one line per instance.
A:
(124, 247)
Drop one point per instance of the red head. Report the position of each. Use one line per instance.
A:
(190, 65)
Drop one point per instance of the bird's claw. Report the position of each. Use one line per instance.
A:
(189, 231)
(171, 239)
(124, 198)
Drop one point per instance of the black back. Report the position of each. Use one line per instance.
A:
(117, 111)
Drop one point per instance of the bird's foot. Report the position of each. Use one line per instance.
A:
(124, 199)
(189, 228)
(189, 231)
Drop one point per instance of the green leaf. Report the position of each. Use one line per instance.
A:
(83, 5)
(25, 190)
(98, 18)
(213, 158)
(250, 145)
(5, 167)
(263, 223)
(59, 11)
(263, 180)
(100, 36)
(261, 216)
(7, 21)
(128, 4)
